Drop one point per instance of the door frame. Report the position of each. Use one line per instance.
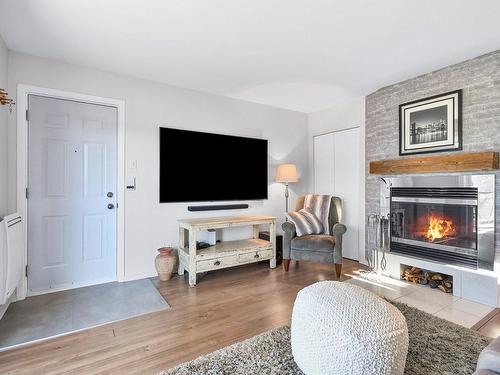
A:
(23, 91)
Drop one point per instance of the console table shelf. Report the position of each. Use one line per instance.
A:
(228, 253)
(229, 247)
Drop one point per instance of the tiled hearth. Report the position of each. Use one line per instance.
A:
(432, 301)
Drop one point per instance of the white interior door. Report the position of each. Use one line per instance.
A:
(337, 172)
(324, 158)
(72, 170)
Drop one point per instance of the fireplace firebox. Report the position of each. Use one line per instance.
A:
(449, 219)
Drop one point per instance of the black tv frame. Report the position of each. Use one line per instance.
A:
(212, 200)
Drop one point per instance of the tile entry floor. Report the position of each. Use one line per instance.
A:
(58, 313)
(433, 301)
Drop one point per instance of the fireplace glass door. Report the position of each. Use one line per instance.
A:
(435, 225)
(448, 219)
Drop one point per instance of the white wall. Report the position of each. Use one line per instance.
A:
(148, 224)
(4, 115)
(345, 116)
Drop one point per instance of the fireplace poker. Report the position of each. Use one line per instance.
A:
(371, 254)
(384, 239)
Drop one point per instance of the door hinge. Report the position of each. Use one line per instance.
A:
(26, 271)
(27, 115)
(27, 193)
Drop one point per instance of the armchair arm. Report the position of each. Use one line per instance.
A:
(289, 233)
(338, 231)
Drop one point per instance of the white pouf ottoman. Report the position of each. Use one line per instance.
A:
(339, 328)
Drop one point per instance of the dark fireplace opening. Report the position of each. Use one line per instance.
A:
(435, 224)
(449, 219)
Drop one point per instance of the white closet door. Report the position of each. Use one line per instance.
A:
(346, 186)
(323, 163)
(337, 172)
(72, 185)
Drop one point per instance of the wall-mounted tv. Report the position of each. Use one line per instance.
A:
(197, 167)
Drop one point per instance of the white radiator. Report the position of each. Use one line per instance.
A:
(11, 255)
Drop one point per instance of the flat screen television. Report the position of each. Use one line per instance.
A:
(203, 167)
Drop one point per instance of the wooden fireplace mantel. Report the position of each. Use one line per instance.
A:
(462, 162)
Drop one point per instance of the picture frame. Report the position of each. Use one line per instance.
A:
(432, 124)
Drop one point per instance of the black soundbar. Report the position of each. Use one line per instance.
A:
(217, 207)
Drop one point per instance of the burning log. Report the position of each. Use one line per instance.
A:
(439, 227)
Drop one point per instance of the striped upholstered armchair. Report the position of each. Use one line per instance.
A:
(324, 248)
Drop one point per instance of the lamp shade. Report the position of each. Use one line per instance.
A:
(287, 173)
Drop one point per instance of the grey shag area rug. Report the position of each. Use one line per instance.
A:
(437, 347)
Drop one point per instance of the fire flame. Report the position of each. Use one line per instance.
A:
(439, 228)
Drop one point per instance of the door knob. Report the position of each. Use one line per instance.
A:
(111, 206)
(110, 194)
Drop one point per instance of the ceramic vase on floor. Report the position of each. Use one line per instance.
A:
(165, 262)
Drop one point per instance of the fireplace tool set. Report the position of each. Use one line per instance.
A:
(378, 241)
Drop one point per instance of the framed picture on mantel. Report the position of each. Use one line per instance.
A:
(432, 124)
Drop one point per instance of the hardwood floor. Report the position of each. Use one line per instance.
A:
(490, 324)
(225, 307)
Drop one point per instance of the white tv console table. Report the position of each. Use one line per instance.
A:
(228, 253)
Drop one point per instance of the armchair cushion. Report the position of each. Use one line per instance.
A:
(314, 242)
(334, 217)
(320, 206)
(305, 222)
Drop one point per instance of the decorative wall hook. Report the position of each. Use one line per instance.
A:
(4, 99)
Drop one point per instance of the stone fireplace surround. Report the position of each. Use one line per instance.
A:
(479, 78)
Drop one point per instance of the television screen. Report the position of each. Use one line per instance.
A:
(196, 166)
